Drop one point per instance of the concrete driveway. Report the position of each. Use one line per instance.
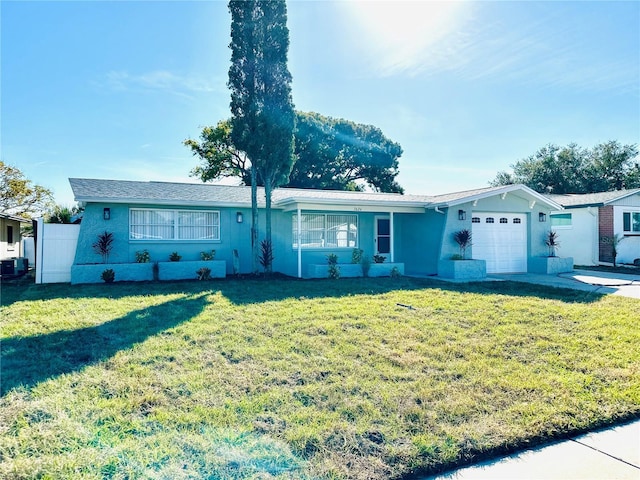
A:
(625, 285)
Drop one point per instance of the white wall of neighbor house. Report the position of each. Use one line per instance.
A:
(56, 250)
(577, 230)
(629, 248)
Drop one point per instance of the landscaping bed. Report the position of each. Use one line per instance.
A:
(350, 378)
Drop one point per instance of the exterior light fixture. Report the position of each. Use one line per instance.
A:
(462, 215)
(239, 217)
(542, 217)
(106, 213)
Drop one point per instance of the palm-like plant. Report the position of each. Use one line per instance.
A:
(463, 239)
(104, 245)
(551, 241)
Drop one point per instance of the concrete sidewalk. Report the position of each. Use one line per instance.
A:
(612, 454)
(587, 280)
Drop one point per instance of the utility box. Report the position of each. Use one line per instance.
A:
(8, 266)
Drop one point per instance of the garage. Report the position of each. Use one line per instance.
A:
(501, 240)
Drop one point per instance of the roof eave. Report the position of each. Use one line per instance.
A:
(500, 191)
(165, 202)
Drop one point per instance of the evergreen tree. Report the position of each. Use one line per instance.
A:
(261, 104)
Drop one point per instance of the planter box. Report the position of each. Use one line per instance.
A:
(351, 270)
(186, 270)
(550, 265)
(125, 272)
(463, 269)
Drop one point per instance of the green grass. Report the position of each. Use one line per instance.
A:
(303, 379)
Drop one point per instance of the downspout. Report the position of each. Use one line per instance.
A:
(392, 235)
(299, 240)
(437, 209)
(595, 250)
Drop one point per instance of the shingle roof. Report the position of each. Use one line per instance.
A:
(592, 199)
(169, 193)
(15, 218)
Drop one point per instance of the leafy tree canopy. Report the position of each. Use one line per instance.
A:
(572, 169)
(330, 153)
(19, 196)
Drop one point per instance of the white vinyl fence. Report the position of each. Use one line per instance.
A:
(29, 250)
(56, 250)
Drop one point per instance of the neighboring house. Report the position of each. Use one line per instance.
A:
(590, 219)
(10, 235)
(10, 243)
(415, 231)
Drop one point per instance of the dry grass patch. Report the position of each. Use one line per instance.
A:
(303, 379)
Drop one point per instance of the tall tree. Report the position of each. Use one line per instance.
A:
(332, 154)
(19, 196)
(339, 154)
(261, 104)
(572, 169)
(219, 157)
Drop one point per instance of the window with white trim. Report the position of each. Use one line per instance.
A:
(323, 230)
(631, 222)
(561, 220)
(164, 224)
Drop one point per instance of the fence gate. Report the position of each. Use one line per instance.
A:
(56, 251)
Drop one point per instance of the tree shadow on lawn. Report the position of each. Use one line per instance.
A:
(30, 360)
(247, 291)
(250, 289)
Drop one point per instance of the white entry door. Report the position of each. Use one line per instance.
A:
(501, 240)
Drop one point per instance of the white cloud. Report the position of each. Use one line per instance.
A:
(533, 44)
(160, 80)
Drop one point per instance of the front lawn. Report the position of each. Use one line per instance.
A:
(355, 378)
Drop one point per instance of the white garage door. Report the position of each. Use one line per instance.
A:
(501, 240)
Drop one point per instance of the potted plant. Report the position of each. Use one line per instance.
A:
(463, 239)
(552, 243)
(457, 266)
(551, 264)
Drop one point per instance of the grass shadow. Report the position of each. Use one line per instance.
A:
(250, 290)
(27, 361)
(247, 291)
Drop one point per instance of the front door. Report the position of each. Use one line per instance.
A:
(383, 235)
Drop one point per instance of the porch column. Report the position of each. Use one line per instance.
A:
(299, 240)
(391, 235)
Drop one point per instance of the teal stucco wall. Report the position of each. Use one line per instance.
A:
(233, 235)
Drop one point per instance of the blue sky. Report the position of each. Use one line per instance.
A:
(111, 89)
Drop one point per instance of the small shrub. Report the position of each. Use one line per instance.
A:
(463, 239)
(334, 271)
(266, 255)
(203, 273)
(332, 259)
(108, 275)
(636, 262)
(379, 258)
(207, 256)
(614, 242)
(104, 245)
(356, 255)
(174, 257)
(143, 256)
(457, 256)
(395, 273)
(365, 263)
(551, 241)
